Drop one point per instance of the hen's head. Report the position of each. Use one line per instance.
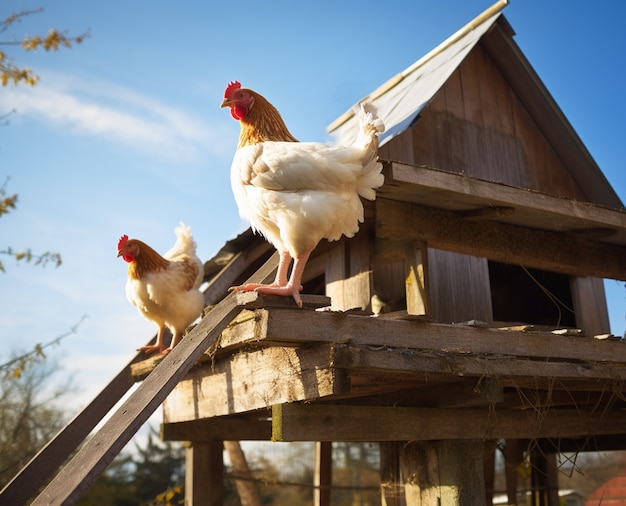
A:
(240, 100)
(127, 249)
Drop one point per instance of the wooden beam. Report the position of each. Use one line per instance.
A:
(282, 327)
(254, 380)
(323, 478)
(416, 279)
(443, 473)
(232, 428)
(511, 371)
(460, 192)
(314, 422)
(502, 242)
(204, 473)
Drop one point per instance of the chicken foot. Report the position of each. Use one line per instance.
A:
(281, 286)
(149, 349)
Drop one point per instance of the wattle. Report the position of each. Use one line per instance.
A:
(238, 112)
(128, 258)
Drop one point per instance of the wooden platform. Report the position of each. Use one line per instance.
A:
(299, 374)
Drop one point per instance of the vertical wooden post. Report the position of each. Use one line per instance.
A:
(443, 473)
(416, 281)
(513, 457)
(348, 273)
(489, 469)
(323, 478)
(544, 480)
(204, 473)
(391, 486)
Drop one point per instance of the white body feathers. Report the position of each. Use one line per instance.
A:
(297, 193)
(171, 297)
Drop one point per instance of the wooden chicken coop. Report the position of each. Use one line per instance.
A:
(469, 308)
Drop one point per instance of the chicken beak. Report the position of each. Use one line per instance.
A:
(119, 254)
(226, 103)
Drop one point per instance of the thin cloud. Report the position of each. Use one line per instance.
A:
(117, 114)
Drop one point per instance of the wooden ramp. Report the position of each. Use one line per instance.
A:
(88, 463)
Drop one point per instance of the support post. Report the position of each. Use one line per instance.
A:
(443, 473)
(204, 473)
(323, 473)
(391, 486)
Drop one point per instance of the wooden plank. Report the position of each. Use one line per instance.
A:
(502, 242)
(458, 287)
(315, 422)
(254, 380)
(233, 271)
(416, 279)
(232, 428)
(532, 208)
(590, 306)
(93, 458)
(285, 326)
(458, 138)
(511, 371)
(443, 473)
(391, 486)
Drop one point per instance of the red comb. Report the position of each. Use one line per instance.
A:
(232, 86)
(123, 239)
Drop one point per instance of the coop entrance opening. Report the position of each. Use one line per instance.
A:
(532, 296)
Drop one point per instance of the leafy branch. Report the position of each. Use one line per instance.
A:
(8, 203)
(28, 256)
(53, 41)
(15, 367)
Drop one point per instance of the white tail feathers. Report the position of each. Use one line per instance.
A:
(184, 245)
(370, 125)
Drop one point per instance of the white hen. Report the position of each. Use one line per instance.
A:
(297, 193)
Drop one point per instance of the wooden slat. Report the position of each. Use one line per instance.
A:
(502, 242)
(314, 422)
(255, 379)
(287, 326)
(511, 371)
(233, 271)
(232, 428)
(93, 458)
(453, 191)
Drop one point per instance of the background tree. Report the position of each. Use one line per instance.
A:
(53, 41)
(10, 72)
(31, 412)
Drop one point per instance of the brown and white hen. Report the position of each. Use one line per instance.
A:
(164, 288)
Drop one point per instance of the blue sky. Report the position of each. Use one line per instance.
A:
(124, 134)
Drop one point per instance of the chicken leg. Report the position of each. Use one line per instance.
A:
(281, 285)
(149, 349)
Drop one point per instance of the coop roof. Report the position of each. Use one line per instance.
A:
(402, 98)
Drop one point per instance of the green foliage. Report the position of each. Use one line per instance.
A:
(53, 41)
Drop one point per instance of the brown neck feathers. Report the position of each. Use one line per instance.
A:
(263, 123)
(148, 260)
